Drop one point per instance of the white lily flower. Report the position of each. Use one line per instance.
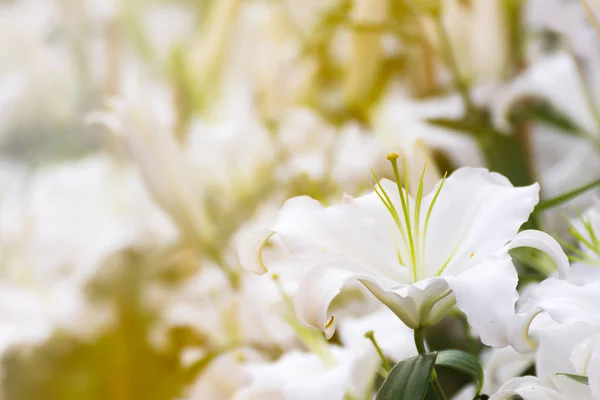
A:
(565, 163)
(565, 302)
(557, 354)
(298, 376)
(586, 360)
(402, 123)
(57, 228)
(419, 256)
(193, 180)
(554, 78)
(320, 151)
(212, 145)
(478, 33)
(35, 68)
(254, 313)
(528, 388)
(563, 349)
(277, 74)
(573, 25)
(347, 155)
(144, 128)
(309, 139)
(224, 376)
(50, 219)
(570, 341)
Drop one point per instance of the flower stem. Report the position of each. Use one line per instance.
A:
(371, 336)
(447, 53)
(420, 343)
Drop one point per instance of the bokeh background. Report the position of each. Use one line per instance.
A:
(140, 140)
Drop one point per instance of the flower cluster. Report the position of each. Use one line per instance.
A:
(290, 200)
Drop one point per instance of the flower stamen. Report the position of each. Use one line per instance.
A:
(593, 244)
(393, 159)
(417, 221)
(387, 202)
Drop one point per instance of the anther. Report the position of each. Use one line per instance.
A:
(392, 156)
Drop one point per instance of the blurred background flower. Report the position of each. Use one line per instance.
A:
(144, 143)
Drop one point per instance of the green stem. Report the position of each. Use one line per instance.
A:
(450, 60)
(420, 343)
(371, 336)
(587, 94)
(448, 57)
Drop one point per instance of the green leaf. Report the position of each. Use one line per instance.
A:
(462, 362)
(409, 379)
(503, 153)
(459, 125)
(577, 378)
(563, 198)
(540, 110)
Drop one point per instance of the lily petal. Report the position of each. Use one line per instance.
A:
(554, 78)
(557, 345)
(546, 243)
(593, 369)
(501, 365)
(318, 289)
(567, 303)
(421, 304)
(298, 375)
(476, 213)
(528, 387)
(518, 330)
(250, 250)
(487, 295)
(307, 228)
(584, 354)
(582, 274)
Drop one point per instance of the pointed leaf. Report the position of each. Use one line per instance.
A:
(563, 198)
(458, 125)
(409, 379)
(462, 362)
(577, 378)
(539, 110)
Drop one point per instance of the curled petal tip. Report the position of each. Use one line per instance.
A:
(330, 327)
(250, 251)
(546, 243)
